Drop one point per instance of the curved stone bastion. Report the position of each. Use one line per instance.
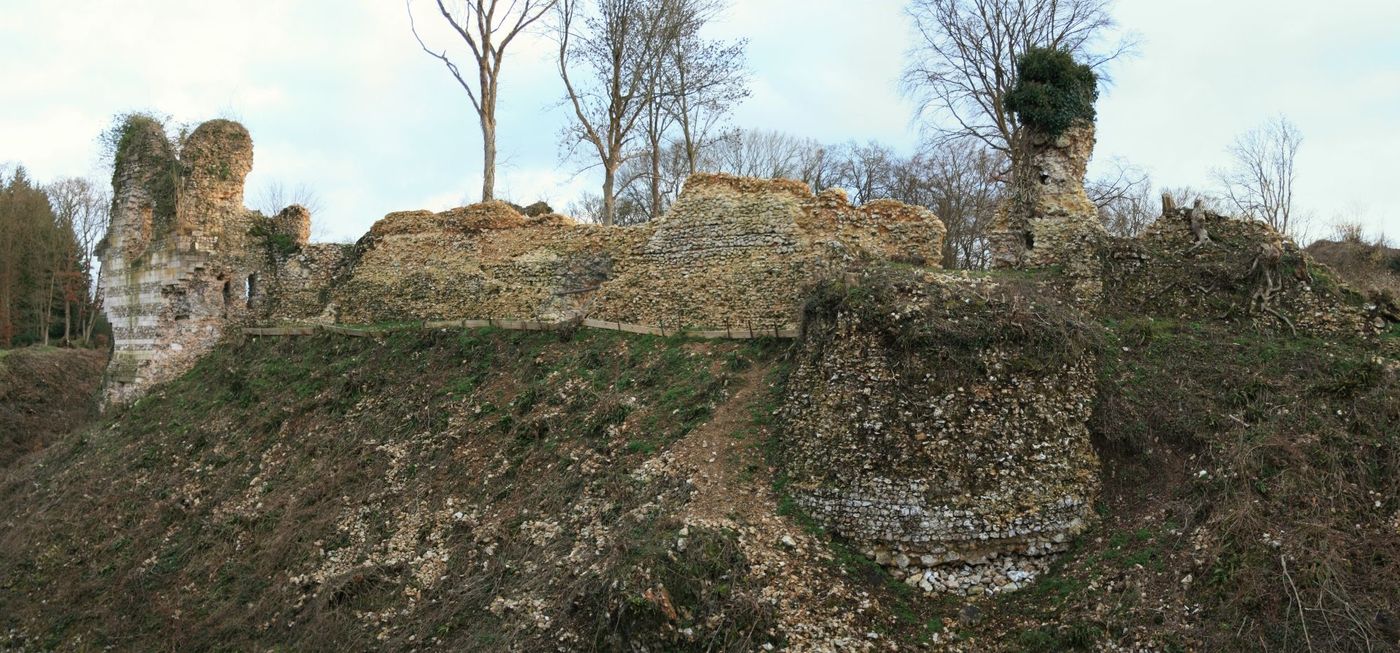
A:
(939, 423)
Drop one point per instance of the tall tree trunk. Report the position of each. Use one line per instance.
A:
(609, 201)
(46, 310)
(7, 323)
(92, 313)
(488, 168)
(691, 151)
(655, 178)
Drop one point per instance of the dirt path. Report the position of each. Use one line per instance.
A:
(724, 464)
(733, 490)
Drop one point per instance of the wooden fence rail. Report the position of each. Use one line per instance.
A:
(362, 331)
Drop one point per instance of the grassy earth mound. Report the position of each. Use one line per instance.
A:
(44, 393)
(1371, 267)
(485, 490)
(1251, 501)
(454, 490)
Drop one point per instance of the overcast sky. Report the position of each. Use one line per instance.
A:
(339, 98)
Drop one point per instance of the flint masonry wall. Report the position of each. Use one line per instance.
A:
(730, 252)
(184, 261)
(957, 454)
(173, 269)
(1047, 219)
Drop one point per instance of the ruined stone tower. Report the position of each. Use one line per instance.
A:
(1048, 220)
(175, 262)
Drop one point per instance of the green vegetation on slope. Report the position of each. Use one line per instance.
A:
(458, 490)
(485, 490)
(1251, 501)
(44, 393)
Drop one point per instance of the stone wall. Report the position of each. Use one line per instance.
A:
(184, 260)
(174, 269)
(1047, 220)
(295, 286)
(942, 433)
(730, 252)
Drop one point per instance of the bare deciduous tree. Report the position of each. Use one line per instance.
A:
(1124, 198)
(964, 59)
(696, 83)
(704, 80)
(1259, 182)
(770, 154)
(277, 196)
(962, 179)
(664, 172)
(82, 208)
(487, 27)
(618, 45)
(867, 171)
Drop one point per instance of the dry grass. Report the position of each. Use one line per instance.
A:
(457, 491)
(44, 393)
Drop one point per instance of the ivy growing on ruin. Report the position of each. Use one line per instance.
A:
(140, 140)
(1052, 91)
(274, 242)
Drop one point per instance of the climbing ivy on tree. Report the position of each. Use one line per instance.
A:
(1052, 92)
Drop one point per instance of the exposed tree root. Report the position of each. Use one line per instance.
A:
(1267, 263)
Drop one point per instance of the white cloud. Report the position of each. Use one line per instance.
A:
(339, 97)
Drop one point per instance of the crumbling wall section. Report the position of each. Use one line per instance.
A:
(186, 264)
(935, 422)
(1237, 269)
(731, 252)
(481, 261)
(215, 159)
(1047, 220)
(295, 286)
(173, 262)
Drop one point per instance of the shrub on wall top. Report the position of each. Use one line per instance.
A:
(1052, 91)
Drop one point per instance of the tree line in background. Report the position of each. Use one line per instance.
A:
(650, 95)
(49, 236)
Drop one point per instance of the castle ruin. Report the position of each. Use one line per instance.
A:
(184, 261)
(175, 267)
(186, 265)
(963, 468)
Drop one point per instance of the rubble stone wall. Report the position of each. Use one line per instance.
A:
(184, 260)
(961, 475)
(730, 252)
(295, 287)
(174, 269)
(1047, 219)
